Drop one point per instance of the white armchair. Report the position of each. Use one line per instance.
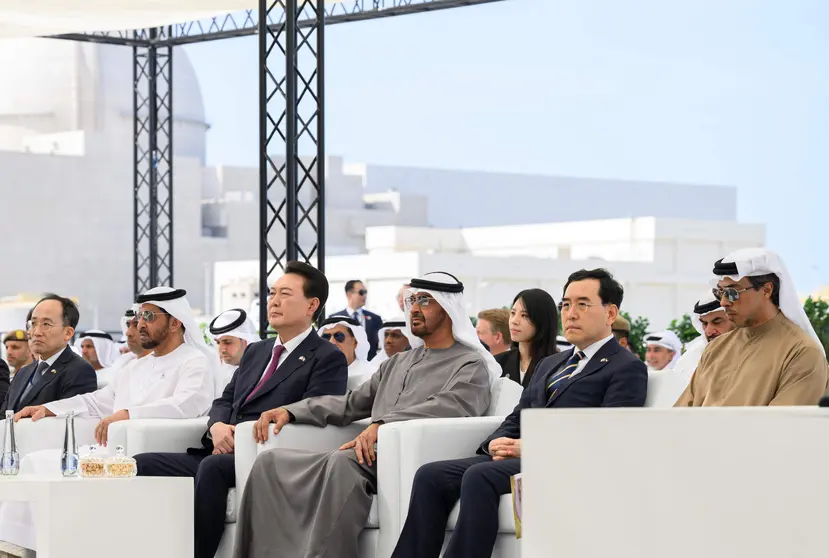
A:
(402, 448)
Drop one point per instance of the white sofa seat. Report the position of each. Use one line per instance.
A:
(664, 388)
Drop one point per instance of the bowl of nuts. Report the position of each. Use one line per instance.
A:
(91, 465)
(121, 466)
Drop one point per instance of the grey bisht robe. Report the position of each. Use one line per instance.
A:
(300, 504)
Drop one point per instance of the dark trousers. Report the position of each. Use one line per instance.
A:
(214, 476)
(479, 483)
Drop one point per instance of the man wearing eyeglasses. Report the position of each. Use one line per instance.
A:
(274, 372)
(595, 372)
(774, 356)
(59, 372)
(356, 293)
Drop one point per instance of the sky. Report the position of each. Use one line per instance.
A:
(731, 93)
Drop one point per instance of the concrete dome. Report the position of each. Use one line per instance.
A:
(62, 86)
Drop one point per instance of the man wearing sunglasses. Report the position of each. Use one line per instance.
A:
(272, 373)
(349, 336)
(356, 293)
(175, 381)
(774, 356)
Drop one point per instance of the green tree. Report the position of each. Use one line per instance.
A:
(684, 329)
(638, 329)
(818, 313)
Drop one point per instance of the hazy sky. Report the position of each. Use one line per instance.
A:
(732, 93)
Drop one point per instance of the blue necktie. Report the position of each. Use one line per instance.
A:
(563, 374)
(356, 317)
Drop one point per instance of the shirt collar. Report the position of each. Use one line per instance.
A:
(295, 342)
(591, 350)
(352, 310)
(52, 359)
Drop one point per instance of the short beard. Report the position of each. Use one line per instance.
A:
(154, 342)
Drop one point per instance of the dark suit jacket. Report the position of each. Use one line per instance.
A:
(510, 362)
(373, 325)
(315, 367)
(613, 377)
(4, 379)
(70, 375)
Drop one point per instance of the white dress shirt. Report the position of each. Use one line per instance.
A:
(589, 353)
(290, 346)
(361, 317)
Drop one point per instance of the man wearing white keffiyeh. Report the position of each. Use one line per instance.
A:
(773, 357)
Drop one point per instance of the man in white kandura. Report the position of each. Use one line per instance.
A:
(395, 337)
(663, 350)
(350, 337)
(231, 332)
(176, 381)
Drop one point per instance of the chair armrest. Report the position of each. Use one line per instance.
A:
(313, 438)
(403, 447)
(292, 436)
(157, 435)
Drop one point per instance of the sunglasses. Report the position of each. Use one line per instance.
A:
(731, 293)
(362, 292)
(149, 316)
(339, 337)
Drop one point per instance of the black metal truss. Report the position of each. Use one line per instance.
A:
(246, 23)
(291, 186)
(153, 157)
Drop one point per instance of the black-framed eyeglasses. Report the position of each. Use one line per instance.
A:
(339, 337)
(731, 293)
(149, 316)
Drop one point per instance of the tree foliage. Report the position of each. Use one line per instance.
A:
(684, 329)
(638, 329)
(818, 313)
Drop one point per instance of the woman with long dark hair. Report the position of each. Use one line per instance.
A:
(533, 326)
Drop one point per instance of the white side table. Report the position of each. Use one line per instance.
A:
(104, 518)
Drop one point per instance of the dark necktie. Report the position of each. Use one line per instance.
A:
(356, 316)
(40, 369)
(563, 374)
(277, 352)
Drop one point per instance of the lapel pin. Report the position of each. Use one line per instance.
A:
(302, 359)
(603, 360)
(54, 371)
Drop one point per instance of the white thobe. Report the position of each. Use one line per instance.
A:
(176, 385)
(359, 371)
(687, 363)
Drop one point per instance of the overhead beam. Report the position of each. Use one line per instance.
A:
(246, 23)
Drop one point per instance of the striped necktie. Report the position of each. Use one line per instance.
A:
(563, 374)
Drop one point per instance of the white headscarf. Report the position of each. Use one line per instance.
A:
(668, 340)
(130, 314)
(234, 323)
(174, 302)
(751, 262)
(361, 352)
(104, 345)
(707, 304)
(448, 292)
(400, 325)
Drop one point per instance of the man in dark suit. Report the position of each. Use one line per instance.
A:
(59, 372)
(273, 373)
(356, 293)
(596, 372)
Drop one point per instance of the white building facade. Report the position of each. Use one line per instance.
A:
(66, 166)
